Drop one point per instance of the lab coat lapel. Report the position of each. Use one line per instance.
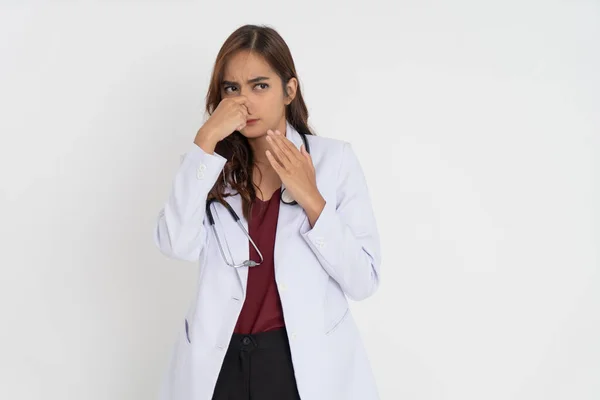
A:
(289, 217)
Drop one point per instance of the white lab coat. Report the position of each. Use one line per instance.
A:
(317, 269)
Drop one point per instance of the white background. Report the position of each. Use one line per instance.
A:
(477, 124)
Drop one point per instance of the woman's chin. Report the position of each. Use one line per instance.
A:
(252, 132)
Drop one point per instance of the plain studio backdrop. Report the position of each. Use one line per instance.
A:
(477, 125)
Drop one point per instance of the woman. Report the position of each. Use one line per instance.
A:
(281, 329)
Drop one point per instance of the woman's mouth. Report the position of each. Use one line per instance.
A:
(251, 121)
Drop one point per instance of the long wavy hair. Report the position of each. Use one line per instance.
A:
(238, 169)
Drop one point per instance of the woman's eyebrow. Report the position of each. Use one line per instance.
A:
(253, 80)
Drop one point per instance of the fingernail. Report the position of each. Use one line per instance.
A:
(277, 132)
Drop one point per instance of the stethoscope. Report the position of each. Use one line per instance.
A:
(286, 198)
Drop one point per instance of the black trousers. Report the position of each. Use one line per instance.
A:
(257, 367)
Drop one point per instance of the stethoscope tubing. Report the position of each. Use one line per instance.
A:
(211, 220)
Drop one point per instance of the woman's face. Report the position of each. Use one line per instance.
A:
(249, 75)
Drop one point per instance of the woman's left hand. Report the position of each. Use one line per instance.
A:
(296, 170)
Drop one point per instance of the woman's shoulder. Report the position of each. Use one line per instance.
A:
(331, 154)
(326, 145)
(326, 141)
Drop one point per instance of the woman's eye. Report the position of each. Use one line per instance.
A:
(264, 86)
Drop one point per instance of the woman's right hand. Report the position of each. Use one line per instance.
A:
(230, 115)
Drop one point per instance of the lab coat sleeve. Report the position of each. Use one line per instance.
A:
(345, 238)
(179, 231)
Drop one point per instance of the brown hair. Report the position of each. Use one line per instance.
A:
(238, 169)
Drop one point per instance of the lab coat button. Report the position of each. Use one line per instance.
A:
(320, 242)
(200, 171)
(294, 335)
(282, 287)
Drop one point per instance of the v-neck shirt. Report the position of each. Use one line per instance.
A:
(262, 309)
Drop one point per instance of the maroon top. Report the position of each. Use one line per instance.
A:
(262, 310)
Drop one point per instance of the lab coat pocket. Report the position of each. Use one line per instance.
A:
(338, 322)
(336, 306)
(187, 331)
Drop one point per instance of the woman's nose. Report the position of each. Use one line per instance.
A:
(249, 105)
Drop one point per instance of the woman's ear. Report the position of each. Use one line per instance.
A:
(291, 88)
